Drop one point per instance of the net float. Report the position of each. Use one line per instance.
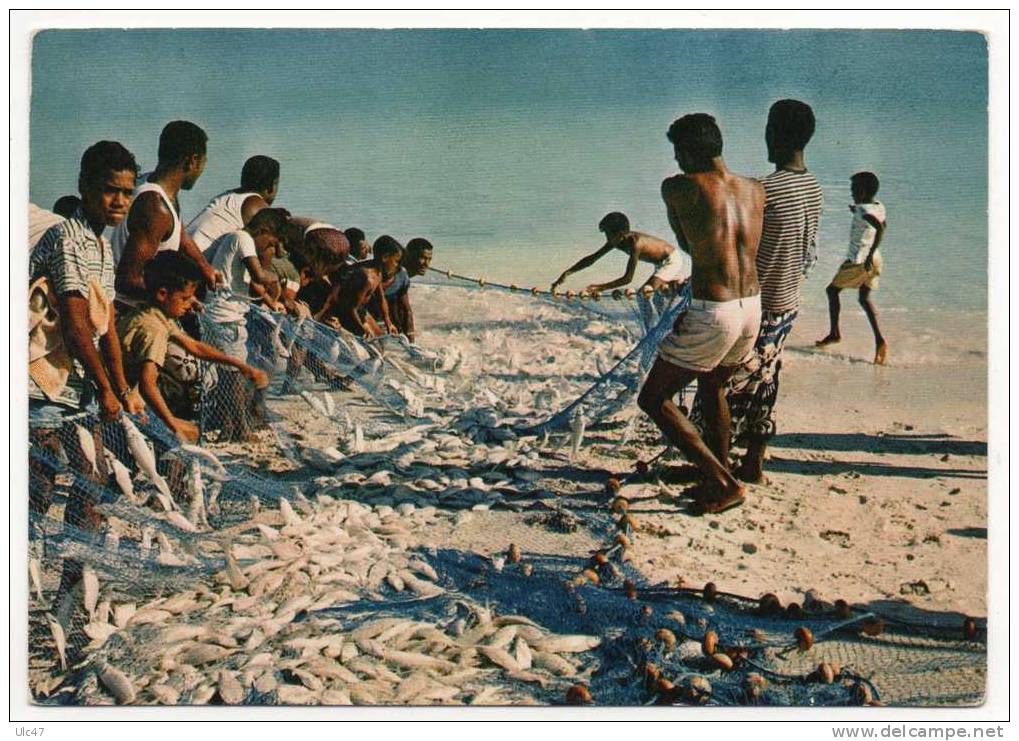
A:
(481, 282)
(514, 287)
(757, 635)
(513, 553)
(842, 610)
(599, 559)
(969, 628)
(592, 576)
(873, 627)
(526, 569)
(613, 485)
(535, 291)
(570, 295)
(617, 294)
(699, 690)
(648, 291)
(650, 672)
(642, 468)
(629, 293)
(769, 604)
(794, 611)
(628, 521)
(709, 643)
(862, 694)
(823, 674)
(620, 504)
(665, 689)
(630, 589)
(622, 540)
(710, 592)
(723, 660)
(804, 638)
(666, 637)
(754, 684)
(578, 694)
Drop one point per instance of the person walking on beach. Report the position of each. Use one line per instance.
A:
(670, 265)
(788, 251)
(232, 210)
(717, 217)
(862, 266)
(154, 223)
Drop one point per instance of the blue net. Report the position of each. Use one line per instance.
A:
(304, 522)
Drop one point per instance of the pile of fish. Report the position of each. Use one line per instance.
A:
(293, 617)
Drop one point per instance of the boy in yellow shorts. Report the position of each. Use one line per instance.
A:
(862, 266)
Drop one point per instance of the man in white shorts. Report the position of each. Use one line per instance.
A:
(717, 217)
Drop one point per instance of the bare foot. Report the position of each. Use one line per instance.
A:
(881, 354)
(721, 503)
(750, 472)
(829, 340)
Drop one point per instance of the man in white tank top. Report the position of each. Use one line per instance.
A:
(233, 209)
(153, 224)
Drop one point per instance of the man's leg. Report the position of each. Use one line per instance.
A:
(655, 399)
(717, 416)
(881, 346)
(834, 307)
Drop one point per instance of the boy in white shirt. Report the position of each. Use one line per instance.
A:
(862, 266)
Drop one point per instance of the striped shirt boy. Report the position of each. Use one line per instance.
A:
(788, 247)
(70, 254)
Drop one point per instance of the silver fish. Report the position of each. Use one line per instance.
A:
(59, 639)
(88, 446)
(90, 583)
(144, 457)
(577, 426)
(116, 682)
(122, 476)
(196, 490)
(35, 574)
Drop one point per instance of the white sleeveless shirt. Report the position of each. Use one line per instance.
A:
(221, 216)
(120, 234)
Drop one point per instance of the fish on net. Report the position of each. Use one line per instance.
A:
(632, 661)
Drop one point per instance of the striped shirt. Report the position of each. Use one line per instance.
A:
(788, 248)
(70, 254)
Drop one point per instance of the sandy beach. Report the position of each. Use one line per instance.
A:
(877, 479)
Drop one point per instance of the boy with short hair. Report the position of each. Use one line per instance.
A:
(360, 284)
(416, 261)
(862, 266)
(248, 252)
(670, 265)
(146, 332)
(360, 248)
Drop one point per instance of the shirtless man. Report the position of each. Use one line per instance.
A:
(717, 217)
(670, 266)
(361, 283)
(154, 223)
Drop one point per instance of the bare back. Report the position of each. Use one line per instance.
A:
(717, 217)
(646, 247)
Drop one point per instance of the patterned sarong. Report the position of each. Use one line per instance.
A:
(753, 388)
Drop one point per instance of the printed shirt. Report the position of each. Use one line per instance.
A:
(145, 335)
(861, 232)
(788, 248)
(69, 255)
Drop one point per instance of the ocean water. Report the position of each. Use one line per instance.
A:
(505, 148)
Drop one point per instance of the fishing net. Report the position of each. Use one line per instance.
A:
(398, 428)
